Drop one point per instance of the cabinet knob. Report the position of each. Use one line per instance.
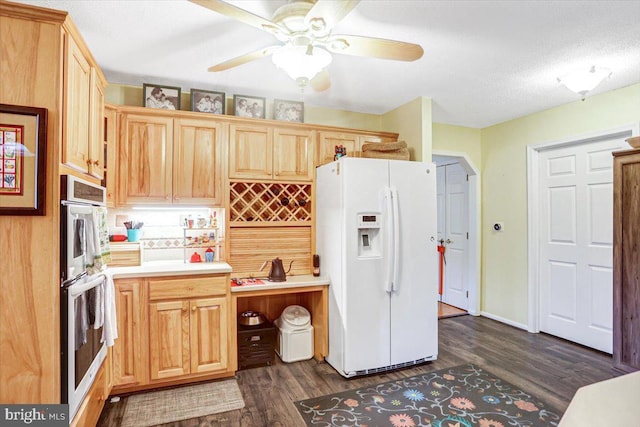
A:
(194, 308)
(96, 163)
(166, 197)
(176, 198)
(89, 161)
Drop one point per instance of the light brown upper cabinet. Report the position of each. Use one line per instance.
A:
(165, 160)
(327, 141)
(293, 154)
(111, 161)
(145, 175)
(268, 152)
(83, 108)
(197, 162)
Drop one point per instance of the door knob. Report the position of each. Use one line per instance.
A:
(449, 241)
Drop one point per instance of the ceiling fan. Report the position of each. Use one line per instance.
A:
(304, 29)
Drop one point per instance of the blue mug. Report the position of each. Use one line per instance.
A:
(133, 234)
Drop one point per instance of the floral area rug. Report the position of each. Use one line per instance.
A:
(463, 396)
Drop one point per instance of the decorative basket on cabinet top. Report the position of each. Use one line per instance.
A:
(634, 141)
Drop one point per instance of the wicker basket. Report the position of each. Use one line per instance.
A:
(401, 154)
(385, 146)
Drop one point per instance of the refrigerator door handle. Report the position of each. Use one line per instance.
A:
(396, 239)
(390, 237)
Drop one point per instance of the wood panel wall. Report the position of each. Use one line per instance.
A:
(31, 75)
(251, 246)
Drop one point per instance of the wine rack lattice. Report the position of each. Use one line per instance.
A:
(256, 202)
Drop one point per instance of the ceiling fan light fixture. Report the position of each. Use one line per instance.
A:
(339, 44)
(584, 80)
(300, 62)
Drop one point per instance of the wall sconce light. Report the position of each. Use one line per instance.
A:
(583, 81)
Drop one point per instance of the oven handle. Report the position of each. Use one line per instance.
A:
(76, 290)
(73, 280)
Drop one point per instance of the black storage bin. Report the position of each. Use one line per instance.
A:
(256, 345)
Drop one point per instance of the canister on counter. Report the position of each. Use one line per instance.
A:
(209, 254)
(316, 265)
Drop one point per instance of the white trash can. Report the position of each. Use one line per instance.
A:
(294, 341)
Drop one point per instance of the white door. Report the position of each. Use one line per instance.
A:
(414, 300)
(452, 229)
(576, 237)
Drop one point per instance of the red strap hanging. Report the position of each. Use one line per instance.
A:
(441, 250)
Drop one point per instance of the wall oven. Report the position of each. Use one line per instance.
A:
(82, 288)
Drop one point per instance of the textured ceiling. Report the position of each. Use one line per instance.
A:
(484, 62)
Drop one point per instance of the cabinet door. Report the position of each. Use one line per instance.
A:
(145, 159)
(96, 127)
(250, 152)
(111, 160)
(208, 335)
(129, 364)
(327, 142)
(169, 339)
(197, 162)
(75, 143)
(293, 154)
(626, 269)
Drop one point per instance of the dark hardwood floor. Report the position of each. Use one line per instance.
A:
(547, 367)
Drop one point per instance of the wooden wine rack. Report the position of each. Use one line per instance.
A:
(262, 203)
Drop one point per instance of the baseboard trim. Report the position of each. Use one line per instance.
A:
(503, 320)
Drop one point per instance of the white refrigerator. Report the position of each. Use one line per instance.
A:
(376, 236)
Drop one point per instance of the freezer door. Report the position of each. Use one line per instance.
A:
(414, 310)
(367, 304)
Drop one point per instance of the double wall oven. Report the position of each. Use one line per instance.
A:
(82, 289)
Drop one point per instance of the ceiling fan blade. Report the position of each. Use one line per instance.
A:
(321, 81)
(236, 13)
(243, 59)
(325, 14)
(375, 48)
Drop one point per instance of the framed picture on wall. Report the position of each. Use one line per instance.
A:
(23, 142)
(289, 111)
(159, 96)
(249, 106)
(206, 101)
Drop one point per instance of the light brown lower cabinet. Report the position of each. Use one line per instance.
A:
(129, 364)
(187, 337)
(172, 330)
(91, 407)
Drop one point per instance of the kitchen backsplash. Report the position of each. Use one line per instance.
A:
(162, 235)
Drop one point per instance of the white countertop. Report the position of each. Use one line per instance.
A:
(606, 403)
(292, 282)
(170, 268)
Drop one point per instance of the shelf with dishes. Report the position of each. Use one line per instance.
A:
(202, 244)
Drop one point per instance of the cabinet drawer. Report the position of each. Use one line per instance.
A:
(193, 287)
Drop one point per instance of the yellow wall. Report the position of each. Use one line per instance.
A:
(504, 189)
(458, 139)
(412, 122)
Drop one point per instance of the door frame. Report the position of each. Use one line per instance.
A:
(474, 203)
(533, 211)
